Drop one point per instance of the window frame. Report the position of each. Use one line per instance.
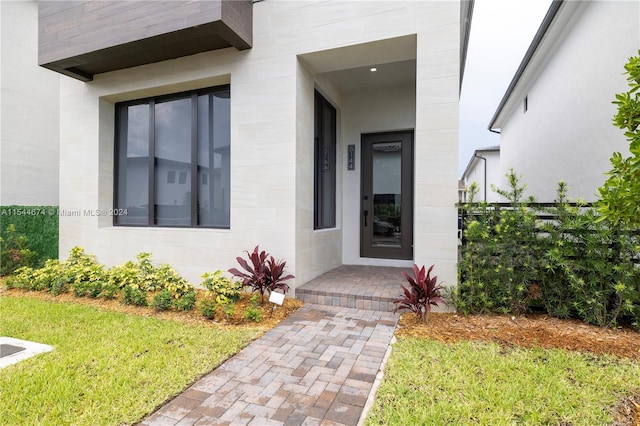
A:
(151, 163)
(322, 141)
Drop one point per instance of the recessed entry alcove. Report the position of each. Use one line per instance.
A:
(15, 350)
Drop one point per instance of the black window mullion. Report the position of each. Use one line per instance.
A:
(317, 182)
(194, 159)
(122, 121)
(152, 164)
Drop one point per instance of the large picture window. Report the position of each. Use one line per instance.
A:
(173, 160)
(325, 164)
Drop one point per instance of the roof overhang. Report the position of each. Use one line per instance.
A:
(477, 155)
(553, 25)
(466, 14)
(83, 38)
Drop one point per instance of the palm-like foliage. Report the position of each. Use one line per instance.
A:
(423, 292)
(263, 273)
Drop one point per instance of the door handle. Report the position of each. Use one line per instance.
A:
(366, 213)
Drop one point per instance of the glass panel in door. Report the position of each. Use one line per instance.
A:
(387, 194)
(386, 229)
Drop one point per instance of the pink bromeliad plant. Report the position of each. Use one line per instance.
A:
(422, 293)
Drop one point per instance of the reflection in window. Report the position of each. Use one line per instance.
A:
(190, 141)
(214, 159)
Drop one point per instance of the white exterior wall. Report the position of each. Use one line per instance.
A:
(567, 133)
(29, 112)
(494, 177)
(272, 137)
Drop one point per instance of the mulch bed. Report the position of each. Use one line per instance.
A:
(270, 315)
(527, 331)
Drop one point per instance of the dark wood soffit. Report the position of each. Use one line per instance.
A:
(101, 50)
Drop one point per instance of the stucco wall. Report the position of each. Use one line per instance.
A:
(29, 112)
(272, 139)
(493, 177)
(566, 133)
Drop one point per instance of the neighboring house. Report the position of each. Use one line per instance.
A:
(210, 127)
(555, 120)
(484, 170)
(29, 112)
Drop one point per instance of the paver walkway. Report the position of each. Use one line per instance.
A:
(317, 367)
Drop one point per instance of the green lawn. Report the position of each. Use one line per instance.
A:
(432, 383)
(107, 368)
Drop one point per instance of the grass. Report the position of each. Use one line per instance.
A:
(471, 383)
(107, 368)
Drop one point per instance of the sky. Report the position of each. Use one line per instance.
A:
(501, 32)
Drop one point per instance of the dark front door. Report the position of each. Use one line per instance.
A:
(386, 213)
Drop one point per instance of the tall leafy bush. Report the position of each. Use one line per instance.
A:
(620, 194)
(564, 259)
(500, 257)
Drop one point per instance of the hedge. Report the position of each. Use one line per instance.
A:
(39, 224)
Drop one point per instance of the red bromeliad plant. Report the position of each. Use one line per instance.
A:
(263, 273)
(423, 292)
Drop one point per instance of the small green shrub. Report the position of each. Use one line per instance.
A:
(109, 291)
(52, 277)
(95, 289)
(147, 279)
(83, 273)
(228, 310)
(22, 278)
(169, 279)
(163, 300)
(253, 312)
(134, 296)
(208, 307)
(81, 289)
(142, 274)
(186, 302)
(122, 276)
(224, 289)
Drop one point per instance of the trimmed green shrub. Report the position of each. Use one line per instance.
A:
(134, 296)
(224, 290)
(253, 312)
(163, 300)
(186, 302)
(109, 291)
(208, 307)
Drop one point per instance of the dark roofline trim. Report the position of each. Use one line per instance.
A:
(495, 148)
(466, 15)
(537, 40)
